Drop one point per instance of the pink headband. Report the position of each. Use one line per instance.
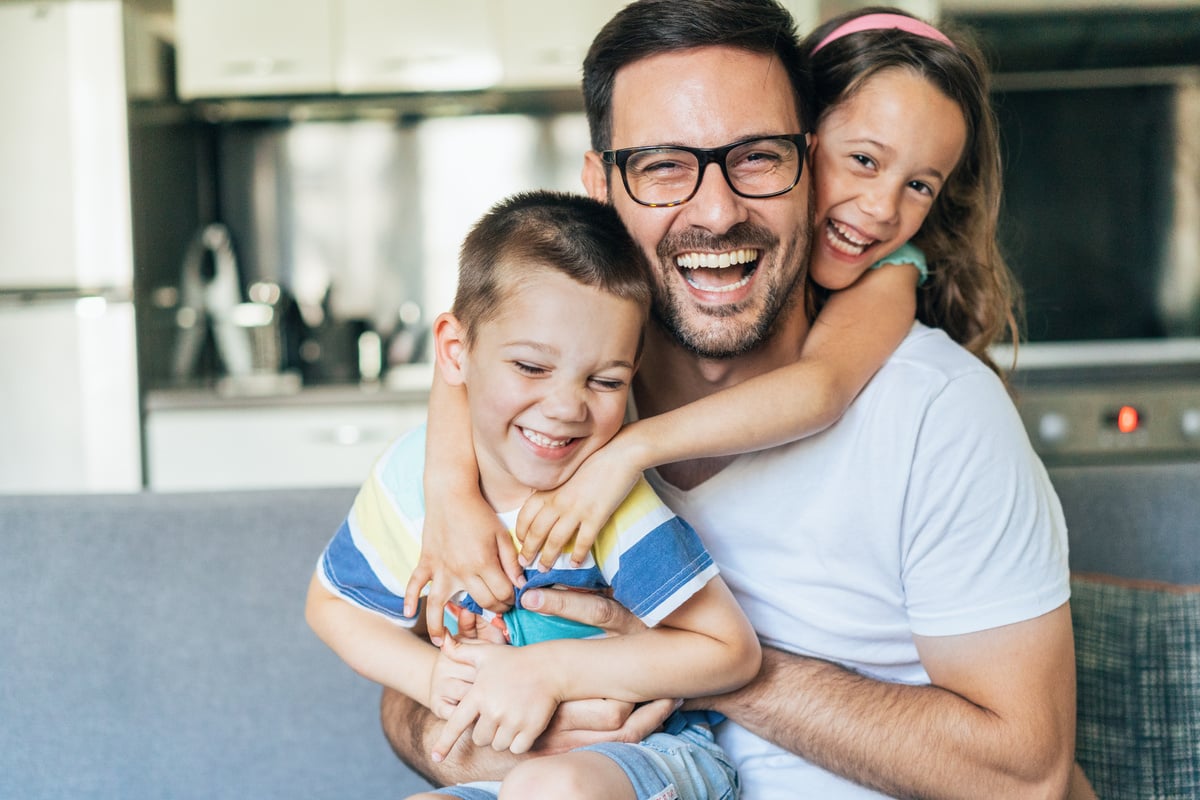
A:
(877, 22)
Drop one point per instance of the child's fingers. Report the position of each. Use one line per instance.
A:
(537, 527)
(585, 537)
(560, 536)
(460, 720)
(509, 561)
(435, 604)
(416, 584)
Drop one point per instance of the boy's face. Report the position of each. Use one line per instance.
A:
(547, 381)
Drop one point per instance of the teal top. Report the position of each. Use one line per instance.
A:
(907, 253)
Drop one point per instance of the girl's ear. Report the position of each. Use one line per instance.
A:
(595, 176)
(450, 348)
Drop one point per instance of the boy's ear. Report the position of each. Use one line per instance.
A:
(595, 176)
(450, 348)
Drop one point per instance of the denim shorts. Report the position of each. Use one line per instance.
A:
(684, 765)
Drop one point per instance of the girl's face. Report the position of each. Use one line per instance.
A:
(880, 159)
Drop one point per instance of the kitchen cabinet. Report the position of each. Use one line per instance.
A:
(255, 47)
(208, 445)
(415, 45)
(230, 48)
(543, 42)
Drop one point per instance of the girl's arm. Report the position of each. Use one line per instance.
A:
(463, 544)
(851, 338)
(707, 643)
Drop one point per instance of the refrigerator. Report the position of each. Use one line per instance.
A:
(69, 414)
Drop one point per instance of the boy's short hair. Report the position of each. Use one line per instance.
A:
(567, 233)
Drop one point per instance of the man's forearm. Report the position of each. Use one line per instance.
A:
(410, 728)
(905, 741)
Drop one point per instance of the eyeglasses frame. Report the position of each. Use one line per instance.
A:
(705, 156)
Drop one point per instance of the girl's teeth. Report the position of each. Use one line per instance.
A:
(842, 240)
(543, 441)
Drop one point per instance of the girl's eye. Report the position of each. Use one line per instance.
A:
(923, 188)
(528, 369)
(865, 161)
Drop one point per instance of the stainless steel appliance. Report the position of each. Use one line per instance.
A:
(68, 372)
(1101, 225)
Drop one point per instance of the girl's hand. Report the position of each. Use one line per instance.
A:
(464, 546)
(581, 507)
(509, 704)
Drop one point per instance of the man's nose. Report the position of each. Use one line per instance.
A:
(715, 207)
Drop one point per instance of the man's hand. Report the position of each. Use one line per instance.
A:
(589, 608)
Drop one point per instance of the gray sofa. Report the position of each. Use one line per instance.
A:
(153, 646)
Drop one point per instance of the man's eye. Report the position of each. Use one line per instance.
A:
(528, 369)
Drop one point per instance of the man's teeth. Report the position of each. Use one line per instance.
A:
(715, 260)
(692, 262)
(542, 440)
(844, 240)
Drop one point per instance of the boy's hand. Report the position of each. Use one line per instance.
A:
(509, 704)
(464, 546)
(580, 507)
(449, 683)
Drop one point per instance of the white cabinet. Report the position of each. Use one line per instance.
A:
(255, 47)
(229, 48)
(64, 151)
(271, 446)
(543, 42)
(415, 45)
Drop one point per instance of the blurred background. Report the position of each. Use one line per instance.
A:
(228, 224)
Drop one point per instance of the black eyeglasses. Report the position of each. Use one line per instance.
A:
(670, 175)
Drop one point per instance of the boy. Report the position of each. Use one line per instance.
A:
(545, 335)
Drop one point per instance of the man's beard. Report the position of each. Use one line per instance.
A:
(719, 340)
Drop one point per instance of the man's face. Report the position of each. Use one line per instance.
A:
(709, 97)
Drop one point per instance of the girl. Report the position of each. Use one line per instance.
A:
(905, 149)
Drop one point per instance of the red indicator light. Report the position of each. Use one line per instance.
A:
(1128, 419)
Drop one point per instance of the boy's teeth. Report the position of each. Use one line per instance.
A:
(715, 260)
(543, 441)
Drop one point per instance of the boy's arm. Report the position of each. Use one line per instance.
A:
(852, 337)
(706, 644)
(372, 646)
(463, 544)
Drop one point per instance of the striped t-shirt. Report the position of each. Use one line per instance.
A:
(650, 559)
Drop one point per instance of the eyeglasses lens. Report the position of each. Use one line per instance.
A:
(671, 175)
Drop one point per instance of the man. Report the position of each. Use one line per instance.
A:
(897, 658)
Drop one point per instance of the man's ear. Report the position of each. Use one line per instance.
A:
(595, 176)
(450, 348)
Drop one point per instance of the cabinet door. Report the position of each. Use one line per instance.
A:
(64, 152)
(254, 47)
(543, 42)
(264, 447)
(416, 45)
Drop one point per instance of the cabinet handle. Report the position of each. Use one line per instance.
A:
(349, 435)
(260, 67)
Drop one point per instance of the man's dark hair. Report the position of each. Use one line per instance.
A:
(649, 27)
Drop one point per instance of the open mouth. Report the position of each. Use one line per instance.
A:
(845, 239)
(542, 440)
(718, 272)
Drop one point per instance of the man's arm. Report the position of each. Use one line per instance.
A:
(411, 728)
(998, 720)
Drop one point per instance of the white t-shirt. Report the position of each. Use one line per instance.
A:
(923, 510)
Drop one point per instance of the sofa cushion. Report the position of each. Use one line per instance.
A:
(1137, 656)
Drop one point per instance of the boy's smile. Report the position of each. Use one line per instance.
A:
(547, 380)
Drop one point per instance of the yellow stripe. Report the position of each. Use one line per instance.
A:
(392, 536)
(642, 500)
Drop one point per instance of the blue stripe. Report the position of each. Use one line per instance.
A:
(350, 574)
(659, 565)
